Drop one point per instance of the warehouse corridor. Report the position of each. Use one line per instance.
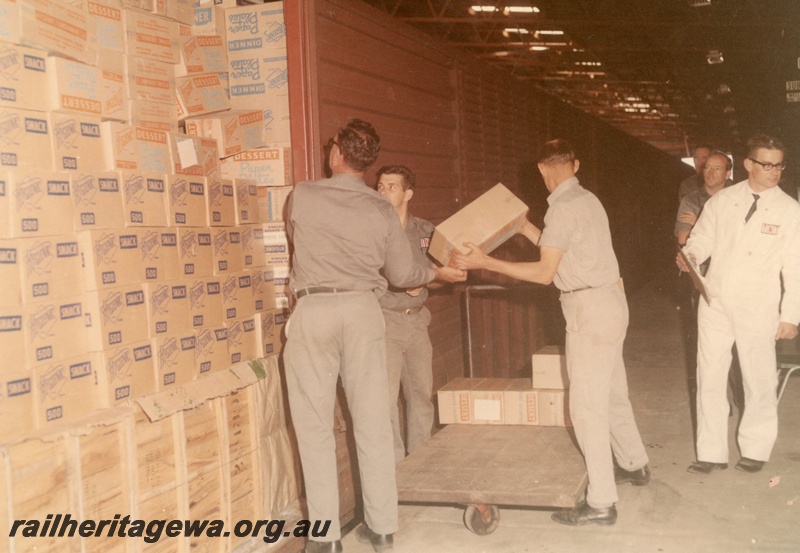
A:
(678, 512)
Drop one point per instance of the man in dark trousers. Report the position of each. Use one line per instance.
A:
(343, 233)
(576, 254)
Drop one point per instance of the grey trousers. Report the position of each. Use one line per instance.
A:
(332, 335)
(597, 321)
(409, 360)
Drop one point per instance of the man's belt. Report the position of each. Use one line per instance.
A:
(409, 311)
(318, 290)
(563, 292)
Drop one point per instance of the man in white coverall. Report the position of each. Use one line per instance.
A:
(751, 232)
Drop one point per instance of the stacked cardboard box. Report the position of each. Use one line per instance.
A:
(224, 456)
(120, 242)
(501, 401)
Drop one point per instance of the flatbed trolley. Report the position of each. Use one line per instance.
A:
(485, 466)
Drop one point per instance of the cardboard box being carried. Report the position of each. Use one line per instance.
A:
(488, 221)
(549, 368)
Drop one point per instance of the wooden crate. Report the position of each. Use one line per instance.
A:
(205, 496)
(104, 482)
(41, 482)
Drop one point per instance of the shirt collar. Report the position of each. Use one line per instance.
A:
(763, 195)
(562, 189)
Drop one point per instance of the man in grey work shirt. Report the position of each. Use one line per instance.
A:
(343, 233)
(409, 353)
(576, 254)
(692, 183)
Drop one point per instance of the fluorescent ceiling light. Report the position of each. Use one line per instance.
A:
(520, 9)
(550, 32)
(483, 9)
(714, 57)
(539, 48)
(519, 30)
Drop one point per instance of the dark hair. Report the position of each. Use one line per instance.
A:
(728, 162)
(409, 179)
(556, 151)
(703, 145)
(359, 143)
(760, 141)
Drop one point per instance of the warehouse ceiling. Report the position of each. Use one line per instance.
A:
(673, 73)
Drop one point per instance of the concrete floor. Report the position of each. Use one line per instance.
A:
(678, 512)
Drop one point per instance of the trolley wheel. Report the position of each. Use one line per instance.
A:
(482, 519)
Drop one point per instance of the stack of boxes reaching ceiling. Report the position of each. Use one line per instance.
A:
(132, 254)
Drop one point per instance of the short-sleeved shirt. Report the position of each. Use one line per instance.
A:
(343, 233)
(418, 232)
(576, 223)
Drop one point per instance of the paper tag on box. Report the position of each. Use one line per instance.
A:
(187, 153)
(488, 410)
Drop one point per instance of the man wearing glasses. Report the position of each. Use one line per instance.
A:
(343, 233)
(751, 232)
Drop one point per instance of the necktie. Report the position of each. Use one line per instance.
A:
(752, 208)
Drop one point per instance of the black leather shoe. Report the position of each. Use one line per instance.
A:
(749, 465)
(638, 477)
(380, 542)
(323, 547)
(705, 467)
(585, 514)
